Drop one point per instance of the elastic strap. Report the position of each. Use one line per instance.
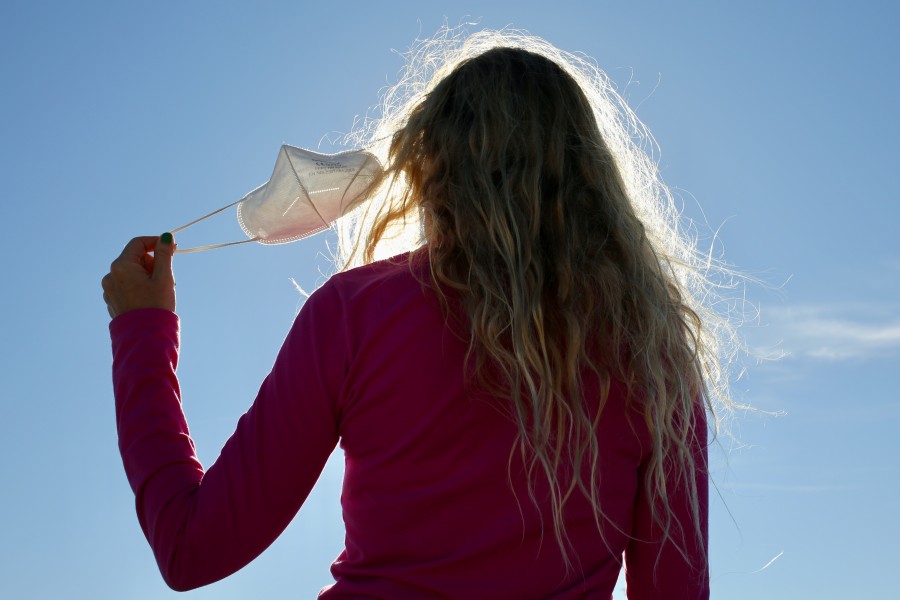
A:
(211, 246)
(215, 212)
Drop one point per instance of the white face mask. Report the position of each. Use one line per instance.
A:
(307, 192)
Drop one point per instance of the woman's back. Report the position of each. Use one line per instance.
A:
(434, 500)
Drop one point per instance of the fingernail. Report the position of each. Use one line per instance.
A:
(166, 238)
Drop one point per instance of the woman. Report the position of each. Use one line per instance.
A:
(521, 399)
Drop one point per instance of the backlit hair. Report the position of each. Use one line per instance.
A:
(534, 186)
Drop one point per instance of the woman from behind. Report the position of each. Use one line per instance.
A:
(521, 399)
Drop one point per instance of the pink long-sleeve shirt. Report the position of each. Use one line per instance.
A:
(432, 505)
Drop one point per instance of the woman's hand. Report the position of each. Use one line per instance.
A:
(139, 279)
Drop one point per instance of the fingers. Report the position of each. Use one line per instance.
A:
(107, 284)
(139, 246)
(136, 252)
(162, 257)
(141, 277)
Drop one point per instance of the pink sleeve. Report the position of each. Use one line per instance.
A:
(657, 571)
(204, 526)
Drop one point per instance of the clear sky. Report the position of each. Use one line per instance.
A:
(119, 119)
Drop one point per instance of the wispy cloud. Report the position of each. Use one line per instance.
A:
(788, 488)
(830, 333)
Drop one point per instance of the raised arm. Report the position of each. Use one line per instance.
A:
(204, 526)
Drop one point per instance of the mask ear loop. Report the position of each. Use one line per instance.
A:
(211, 246)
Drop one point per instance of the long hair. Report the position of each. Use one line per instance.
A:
(530, 182)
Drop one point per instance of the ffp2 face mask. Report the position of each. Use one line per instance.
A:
(306, 193)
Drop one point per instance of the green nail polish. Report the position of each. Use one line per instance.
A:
(166, 238)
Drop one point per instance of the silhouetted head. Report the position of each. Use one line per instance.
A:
(492, 150)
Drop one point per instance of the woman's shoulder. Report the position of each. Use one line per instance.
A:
(397, 271)
(384, 285)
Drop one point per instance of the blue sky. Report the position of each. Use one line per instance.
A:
(777, 123)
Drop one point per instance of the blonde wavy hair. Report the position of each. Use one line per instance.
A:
(534, 188)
